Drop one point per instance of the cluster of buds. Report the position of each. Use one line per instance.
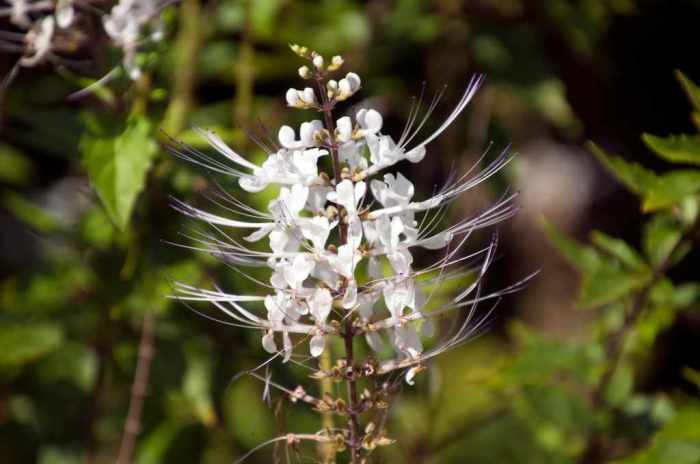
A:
(51, 29)
(341, 243)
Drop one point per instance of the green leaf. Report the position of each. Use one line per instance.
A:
(155, 445)
(659, 238)
(603, 279)
(29, 212)
(117, 167)
(676, 148)
(620, 386)
(672, 188)
(584, 258)
(690, 88)
(678, 442)
(16, 167)
(635, 177)
(23, 343)
(657, 192)
(620, 250)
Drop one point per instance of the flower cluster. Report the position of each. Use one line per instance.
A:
(341, 243)
(47, 26)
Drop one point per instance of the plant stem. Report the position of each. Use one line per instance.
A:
(244, 72)
(132, 425)
(352, 394)
(327, 449)
(349, 332)
(187, 48)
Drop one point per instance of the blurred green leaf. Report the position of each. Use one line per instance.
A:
(636, 178)
(676, 148)
(246, 413)
(154, 446)
(657, 192)
(262, 17)
(23, 343)
(83, 364)
(620, 250)
(117, 167)
(692, 91)
(54, 455)
(16, 167)
(197, 383)
(620, 386)
(29, 212)
(659, 238)
(603, 280)
(676, 443)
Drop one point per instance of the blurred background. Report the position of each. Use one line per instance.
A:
(83, 284)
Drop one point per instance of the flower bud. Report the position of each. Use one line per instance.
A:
(304, 72)
(332, 87)
(292, 97)
(299, 50)
(336, 63)
(309, 96)
(317, 61)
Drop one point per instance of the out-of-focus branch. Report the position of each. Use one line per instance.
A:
(132, 425)
(186, 51)
(244, 73)
(103, 347)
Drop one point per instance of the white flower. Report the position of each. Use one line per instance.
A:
(308, 129)
(348, 195)
(125, 25)
(317, 230)
(348, 86)
(320, 305)
(370, 122)
(39, 42)
(324, 223)
(305, 98)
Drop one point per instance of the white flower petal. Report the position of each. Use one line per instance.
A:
(268, 342)
(320, 305)
(316, 345)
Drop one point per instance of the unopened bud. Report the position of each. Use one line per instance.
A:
(336, 63)
(304, 72)
(299, 50)
(317, 61)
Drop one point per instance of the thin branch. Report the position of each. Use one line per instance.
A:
(132, 425)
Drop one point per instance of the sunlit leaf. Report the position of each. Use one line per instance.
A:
(657, 192)
(635, 177)
(676, 148)
(117, 167)
(660, 236)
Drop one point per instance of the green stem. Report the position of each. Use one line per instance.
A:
(244, 75)
(187, 48)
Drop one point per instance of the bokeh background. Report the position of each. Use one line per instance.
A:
(76, 288)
